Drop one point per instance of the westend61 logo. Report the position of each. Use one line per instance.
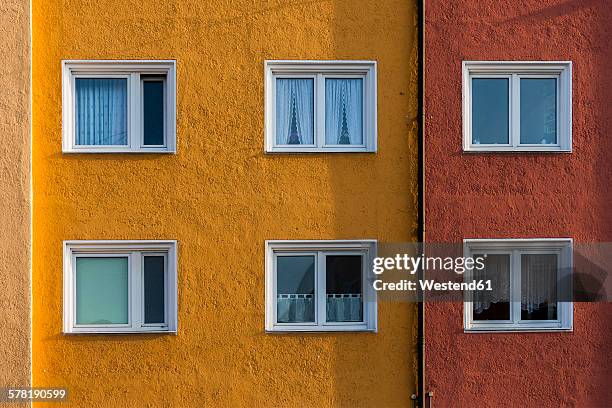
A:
(412, 264)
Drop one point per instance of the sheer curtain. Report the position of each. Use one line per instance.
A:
(294, 111)
(344, 307)
(343, 111)
(497, 269)
(101, 111)
(538, 281)
(295, 308)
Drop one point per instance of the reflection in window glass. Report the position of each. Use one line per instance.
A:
(344, 288)
(494, 304)
(490, 110)
(295, 288)
(538, 110)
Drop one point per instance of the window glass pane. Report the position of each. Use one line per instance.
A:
(294, 111)
(538, 287)
(295, 281)
(344, 111)
(102, 290)
(538, 111)
(344, 288)
(101, 111)
(490, 110)
(153, 112)
(154, 273)
(494, 304)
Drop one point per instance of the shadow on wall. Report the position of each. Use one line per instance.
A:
(379, 193)
(592, 126)
(559, 10)
(221, 196)
(595, 132)
(373, 196)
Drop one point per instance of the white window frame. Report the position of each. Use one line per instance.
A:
(318, 71)
(132, 71)
(514, 70)
(367, 248)
(135, 251)
(515, 247)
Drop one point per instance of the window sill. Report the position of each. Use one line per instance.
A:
(117, 332)
(330, 329)
(281, 150)
(516, 150)
(519, 330)
(119, 151)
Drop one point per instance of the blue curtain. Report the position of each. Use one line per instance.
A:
(101, 111)
(343, 111)
(294, 111)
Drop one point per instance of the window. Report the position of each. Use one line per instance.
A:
(119, 106)
(120, 286)
(319, 106)
(517, 106)
(530, 285)
(320, 286)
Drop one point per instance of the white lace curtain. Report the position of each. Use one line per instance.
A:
(294, 106)
(343, 111)
(295, 308)
(101, 111)
(344, 307)
(497, 270)
(538, 281)
(299, 308)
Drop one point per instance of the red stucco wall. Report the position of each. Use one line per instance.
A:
(519, 195)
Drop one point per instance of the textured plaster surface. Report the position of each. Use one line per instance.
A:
(15, 193)
(519, 195)
(221, 197)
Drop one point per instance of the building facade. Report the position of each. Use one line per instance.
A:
(281, 122)
(517, 167)
(15, 194)
(196, 191)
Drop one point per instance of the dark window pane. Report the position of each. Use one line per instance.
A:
(490, 109)
(153, 111)
(295, 288)
(154, 289)
(539, 287)
(344, 288)
(538, 111)
(494, 304)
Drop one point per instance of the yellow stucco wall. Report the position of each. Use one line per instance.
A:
(221, 197)
(15, 193)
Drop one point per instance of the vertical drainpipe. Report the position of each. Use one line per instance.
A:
(421, 397)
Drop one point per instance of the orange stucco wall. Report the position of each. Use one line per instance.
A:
(15, 193)
(221, 197)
